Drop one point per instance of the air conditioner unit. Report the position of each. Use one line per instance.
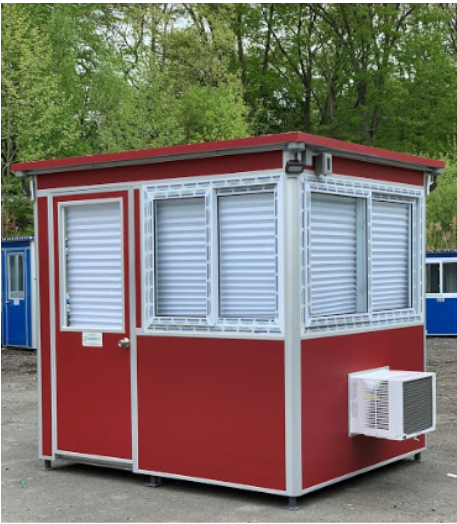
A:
(394, 405)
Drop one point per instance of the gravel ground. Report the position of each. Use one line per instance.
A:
(403, 492)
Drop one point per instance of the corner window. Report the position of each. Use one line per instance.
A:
(360, 253)
(337, 254)
(16, 276)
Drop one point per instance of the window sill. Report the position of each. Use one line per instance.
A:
(394, 318)
(238, 326)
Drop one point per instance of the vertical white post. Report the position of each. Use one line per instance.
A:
(131, 329)
(37, 318)
(292, 322)
(52, 321)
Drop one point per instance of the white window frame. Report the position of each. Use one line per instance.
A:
(412, 280)
(340, 185)
(236, 192)
(12, 295)
(441, 261)
(211, 188)
(362, 248)
(165, 320)
(61, 207)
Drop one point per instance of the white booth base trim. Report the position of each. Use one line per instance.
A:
(212, 482)
(360, 471)
(99, 459)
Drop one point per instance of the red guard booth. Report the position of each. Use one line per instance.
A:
(206, 310)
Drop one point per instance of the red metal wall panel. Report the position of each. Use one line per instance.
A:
(327, 450)
(44, 344)
(173, 169)
(346, 166)
(213, 409)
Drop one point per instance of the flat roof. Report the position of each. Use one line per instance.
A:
(442, 253)
(226, 147)
(17, 239)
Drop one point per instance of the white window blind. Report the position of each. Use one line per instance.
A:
(390, 244)
(181, 258)
(94, 265)
(247, 251)
(337, 268)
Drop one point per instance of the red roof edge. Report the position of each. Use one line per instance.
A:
(225, 146)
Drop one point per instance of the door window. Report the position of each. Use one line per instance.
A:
(93, 291)
(16, 276)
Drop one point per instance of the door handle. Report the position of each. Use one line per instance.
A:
(124, 343)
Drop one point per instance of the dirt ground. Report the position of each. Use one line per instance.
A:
(403, 492)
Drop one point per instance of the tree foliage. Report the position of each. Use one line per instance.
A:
(89, 78)
(442, 208)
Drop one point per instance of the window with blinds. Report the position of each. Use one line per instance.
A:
(180, 258)
(247, 256)
(337, 255)
(391, 255)
(93, 259)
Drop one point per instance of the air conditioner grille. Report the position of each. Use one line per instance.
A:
(376, 404)
(417, 405)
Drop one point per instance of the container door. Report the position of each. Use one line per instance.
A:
(15, 303)
(92, 358)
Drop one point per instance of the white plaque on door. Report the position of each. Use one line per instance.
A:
(94, 340)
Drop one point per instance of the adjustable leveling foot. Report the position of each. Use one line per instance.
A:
(47, 465)
(154, 482)
(292, 505)
(418, 457)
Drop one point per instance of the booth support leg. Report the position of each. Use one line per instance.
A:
(418, 457)
(47, 465)
(154, 481)
(292, 505)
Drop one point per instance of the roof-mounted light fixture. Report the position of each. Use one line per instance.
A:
(297, 165)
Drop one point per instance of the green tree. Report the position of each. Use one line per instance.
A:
(442, 207)
(33, 111)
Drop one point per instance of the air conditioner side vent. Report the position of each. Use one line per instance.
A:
(376, 405)
(417, 405)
